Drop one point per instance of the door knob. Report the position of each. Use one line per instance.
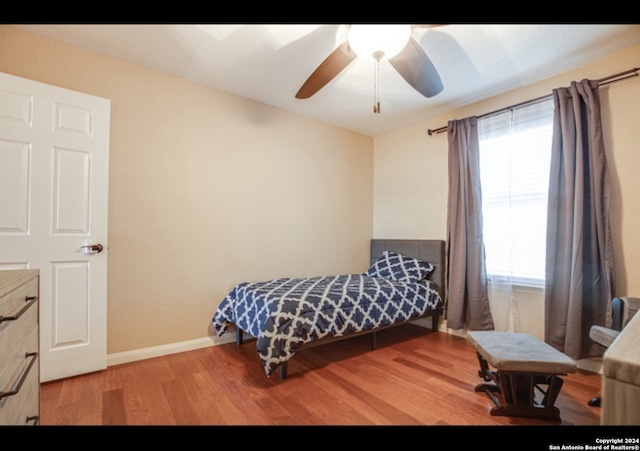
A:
(91, 248)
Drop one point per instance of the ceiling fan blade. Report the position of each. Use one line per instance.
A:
(415, 66)
(335, 63)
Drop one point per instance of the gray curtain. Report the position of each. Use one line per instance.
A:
(467, 298)
(579, 265)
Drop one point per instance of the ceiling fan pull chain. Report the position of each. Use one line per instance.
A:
(376, 87)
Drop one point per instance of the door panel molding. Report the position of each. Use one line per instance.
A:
(54, 176)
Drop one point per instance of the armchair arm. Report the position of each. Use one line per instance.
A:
(630, 305)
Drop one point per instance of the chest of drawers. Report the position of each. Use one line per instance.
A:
(19, 347)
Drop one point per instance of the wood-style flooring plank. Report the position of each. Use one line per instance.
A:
(413, 377)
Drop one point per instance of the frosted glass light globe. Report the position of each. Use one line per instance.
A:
(378, 42)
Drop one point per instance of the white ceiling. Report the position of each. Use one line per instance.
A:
(268, 63)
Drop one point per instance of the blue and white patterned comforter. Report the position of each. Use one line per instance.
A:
(284, 314)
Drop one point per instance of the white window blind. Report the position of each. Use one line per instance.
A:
(515, 153)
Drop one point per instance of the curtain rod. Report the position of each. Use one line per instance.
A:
(603, 81)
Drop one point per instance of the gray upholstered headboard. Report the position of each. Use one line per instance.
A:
(432, 251)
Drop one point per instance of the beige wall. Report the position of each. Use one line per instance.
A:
(206, 190)
(209, 189)
(411, 172)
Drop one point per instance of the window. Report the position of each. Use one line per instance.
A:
(515, 153)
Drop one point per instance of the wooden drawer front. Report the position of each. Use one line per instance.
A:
(18, 338)
(31, 404)
(11, 303)
(23, 408)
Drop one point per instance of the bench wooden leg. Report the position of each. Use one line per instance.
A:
(514, 393)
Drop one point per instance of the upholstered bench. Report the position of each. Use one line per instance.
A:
(522, 373)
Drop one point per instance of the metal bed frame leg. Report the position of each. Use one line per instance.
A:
(283, 371)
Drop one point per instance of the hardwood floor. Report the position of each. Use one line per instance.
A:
(413, 377)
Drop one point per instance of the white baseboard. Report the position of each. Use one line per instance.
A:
(442, 327)
(199, 343)
(594, 364)
(162, 350)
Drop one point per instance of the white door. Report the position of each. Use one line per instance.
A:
(54, 157)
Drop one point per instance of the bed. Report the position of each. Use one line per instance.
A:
(404, 283)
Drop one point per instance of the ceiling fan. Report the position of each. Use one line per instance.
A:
(408, 58)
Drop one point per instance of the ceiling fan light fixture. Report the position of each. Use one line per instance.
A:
(378, 42)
